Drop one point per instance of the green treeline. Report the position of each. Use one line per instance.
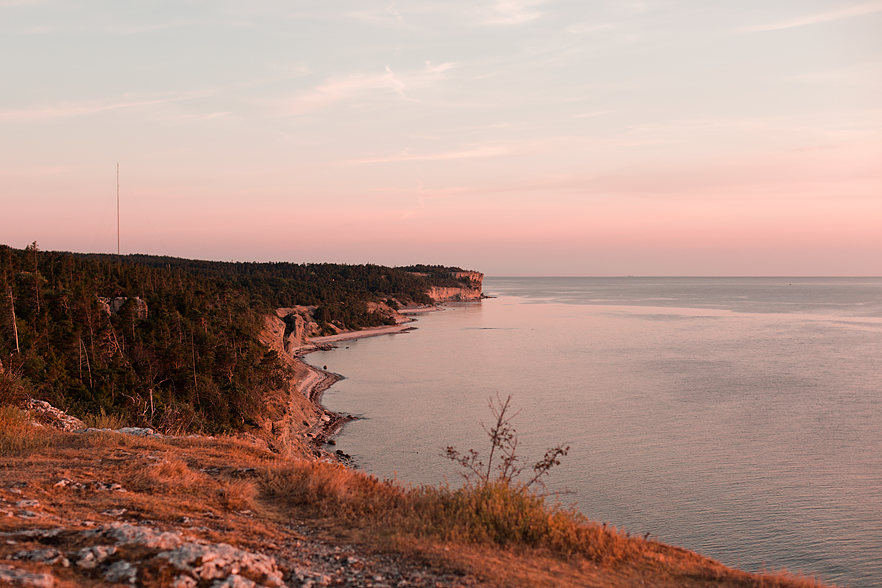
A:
(194, 362)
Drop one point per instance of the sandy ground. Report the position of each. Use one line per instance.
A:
(362, 334)
(401, 327)
(419, 309)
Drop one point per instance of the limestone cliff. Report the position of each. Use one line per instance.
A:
(293, 421)
(290, 329)
(471, 288)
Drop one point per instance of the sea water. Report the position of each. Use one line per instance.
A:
(737, 417)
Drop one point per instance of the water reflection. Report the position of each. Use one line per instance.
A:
(731, 417)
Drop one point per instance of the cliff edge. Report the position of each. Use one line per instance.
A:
(470, 287)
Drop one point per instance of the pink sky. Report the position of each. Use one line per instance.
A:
(515, 138)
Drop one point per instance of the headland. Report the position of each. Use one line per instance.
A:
(254, 498)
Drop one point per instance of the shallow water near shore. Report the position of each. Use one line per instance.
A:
(738, 417)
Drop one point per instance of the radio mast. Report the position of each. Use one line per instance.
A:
(118, 262)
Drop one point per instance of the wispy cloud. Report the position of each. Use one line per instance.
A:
(388, 15)
(435, 70)
(492, 13)
(590, 114)
(479, 152)
(35, 171)
(855, 10)
(68, 110)
(98, 105)
(581, 29)
(197, 116)
(510, 12)
(359, 86)
(342, 89)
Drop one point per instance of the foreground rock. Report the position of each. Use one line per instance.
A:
(44, 414)
(143, 555)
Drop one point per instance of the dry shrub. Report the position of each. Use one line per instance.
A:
(238, 494)
(332, 489)
(494, 507)
(110, 440)
(508, 514)
(105, 421)
(18, 436)
(177, 420)
(498, 513)
(169, 475)
(233, 449)
(12, 391)
(785, 579)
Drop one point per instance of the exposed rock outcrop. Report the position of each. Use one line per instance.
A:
(128, 553)
(299, 326)
(288, 330)
(294, 418)
(471, 288)
(44, 413)
(121, 550)
(114, 305)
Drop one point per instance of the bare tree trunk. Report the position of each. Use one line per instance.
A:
(193, 350)
(88, 365)
(14, 325)
(88, 311)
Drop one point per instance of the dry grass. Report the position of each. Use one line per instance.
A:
(18, 436)
(169, 474)
(105, 421)
(237, 493)
(496, 514)
(500, 521)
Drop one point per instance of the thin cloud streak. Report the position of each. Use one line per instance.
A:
(95, 106)
(581, 29)
(511, 12)
(197, 116)
(342, 89)
(35, 171)
(590, 114)
(69, 110)
(495, 13)
(336, 90)
(468, 154)
(858, 10)
(386, 16)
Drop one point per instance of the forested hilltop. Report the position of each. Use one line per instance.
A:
(74, 330)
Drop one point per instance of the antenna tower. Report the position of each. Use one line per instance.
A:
(117, 215)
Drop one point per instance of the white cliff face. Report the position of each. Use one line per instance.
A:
(453, 294)
(470, 290)
(303, 327)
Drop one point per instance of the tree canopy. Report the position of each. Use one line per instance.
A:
(194, 362)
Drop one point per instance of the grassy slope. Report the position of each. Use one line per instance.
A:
(502, 537)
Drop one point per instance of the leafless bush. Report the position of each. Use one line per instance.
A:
(503, 459)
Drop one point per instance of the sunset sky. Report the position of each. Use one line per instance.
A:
(514, 137)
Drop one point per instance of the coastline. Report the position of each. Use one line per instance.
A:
(402, 326)
(317, 380)
(318, 342)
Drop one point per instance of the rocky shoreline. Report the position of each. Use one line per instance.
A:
(318, 380)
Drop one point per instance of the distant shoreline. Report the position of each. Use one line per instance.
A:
(315, 343)
(319, 380)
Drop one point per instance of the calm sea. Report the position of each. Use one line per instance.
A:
(738, 417)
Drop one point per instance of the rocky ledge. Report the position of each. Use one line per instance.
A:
(138, 554)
